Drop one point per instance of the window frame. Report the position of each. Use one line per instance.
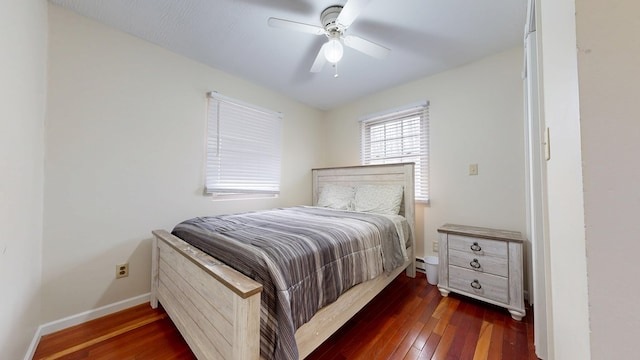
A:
(235, 123)
(399, 121)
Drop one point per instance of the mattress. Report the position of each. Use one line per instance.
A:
(305, 258)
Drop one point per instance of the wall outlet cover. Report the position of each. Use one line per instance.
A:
(122, 270)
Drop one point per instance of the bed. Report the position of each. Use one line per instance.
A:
(217, 309)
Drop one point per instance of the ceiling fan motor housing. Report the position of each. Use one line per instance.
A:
(328, 19)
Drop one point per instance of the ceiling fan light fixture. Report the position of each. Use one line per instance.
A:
(333, 50)
(335, 20)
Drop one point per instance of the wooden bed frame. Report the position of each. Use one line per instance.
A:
(217, 309)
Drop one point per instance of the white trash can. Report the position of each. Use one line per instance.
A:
(431, 268)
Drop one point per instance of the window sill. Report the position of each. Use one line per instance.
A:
(226, 197)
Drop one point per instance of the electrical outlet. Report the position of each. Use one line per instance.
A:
(122, 270)
(435, 246)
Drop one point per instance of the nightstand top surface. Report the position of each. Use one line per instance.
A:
(480, 232)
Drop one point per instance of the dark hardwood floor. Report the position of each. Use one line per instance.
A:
(408, 320)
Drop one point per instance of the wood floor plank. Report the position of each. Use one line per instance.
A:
(430, 346)
(473, 334)
(116, 332)
(463, 326)
(425, 333)
(497, 335)
(484, 341)
(508, 341)
(388, 343)
(408, 320)
(445, 315)
(432, 301)
(58, 341)
(445, 343)
(412, 354)
(393, 332)
(405, 345)
(419, 339)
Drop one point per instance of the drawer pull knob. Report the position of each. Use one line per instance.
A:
(476, 285)
(476, 247)
(475, 264)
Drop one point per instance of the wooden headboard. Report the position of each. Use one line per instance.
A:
(397, 174)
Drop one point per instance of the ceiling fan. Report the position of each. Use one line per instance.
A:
(335, 21)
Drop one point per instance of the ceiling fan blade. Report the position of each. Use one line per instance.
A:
(318, 63)
(295, 26)
(366, 46)
(350, 12)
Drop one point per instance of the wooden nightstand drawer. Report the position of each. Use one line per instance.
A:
(479, 263)
(478, 246)
(480, 284)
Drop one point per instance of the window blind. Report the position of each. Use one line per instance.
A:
(397, 136)
(243, 148)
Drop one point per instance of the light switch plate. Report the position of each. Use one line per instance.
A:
(473, 169)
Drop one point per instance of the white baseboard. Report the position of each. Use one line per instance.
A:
(83, 317)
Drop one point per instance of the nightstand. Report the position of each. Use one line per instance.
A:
(482, 263)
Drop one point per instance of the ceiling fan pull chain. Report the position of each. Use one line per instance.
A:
(335, 66)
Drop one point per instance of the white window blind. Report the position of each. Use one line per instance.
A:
(243, 148)
(397, 136)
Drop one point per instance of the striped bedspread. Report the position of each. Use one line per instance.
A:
(305, 257)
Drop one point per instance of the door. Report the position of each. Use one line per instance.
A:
(535, 175)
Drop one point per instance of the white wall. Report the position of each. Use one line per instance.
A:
(476, 114)
(568, 307)
(608, 59)
(125, 152)
(23, 44)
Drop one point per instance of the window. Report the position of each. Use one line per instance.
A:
(243, 149)
(396, 136)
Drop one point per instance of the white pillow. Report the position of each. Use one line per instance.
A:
(380, 199)
(336, 197)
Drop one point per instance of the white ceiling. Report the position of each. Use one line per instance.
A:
(425, 37)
